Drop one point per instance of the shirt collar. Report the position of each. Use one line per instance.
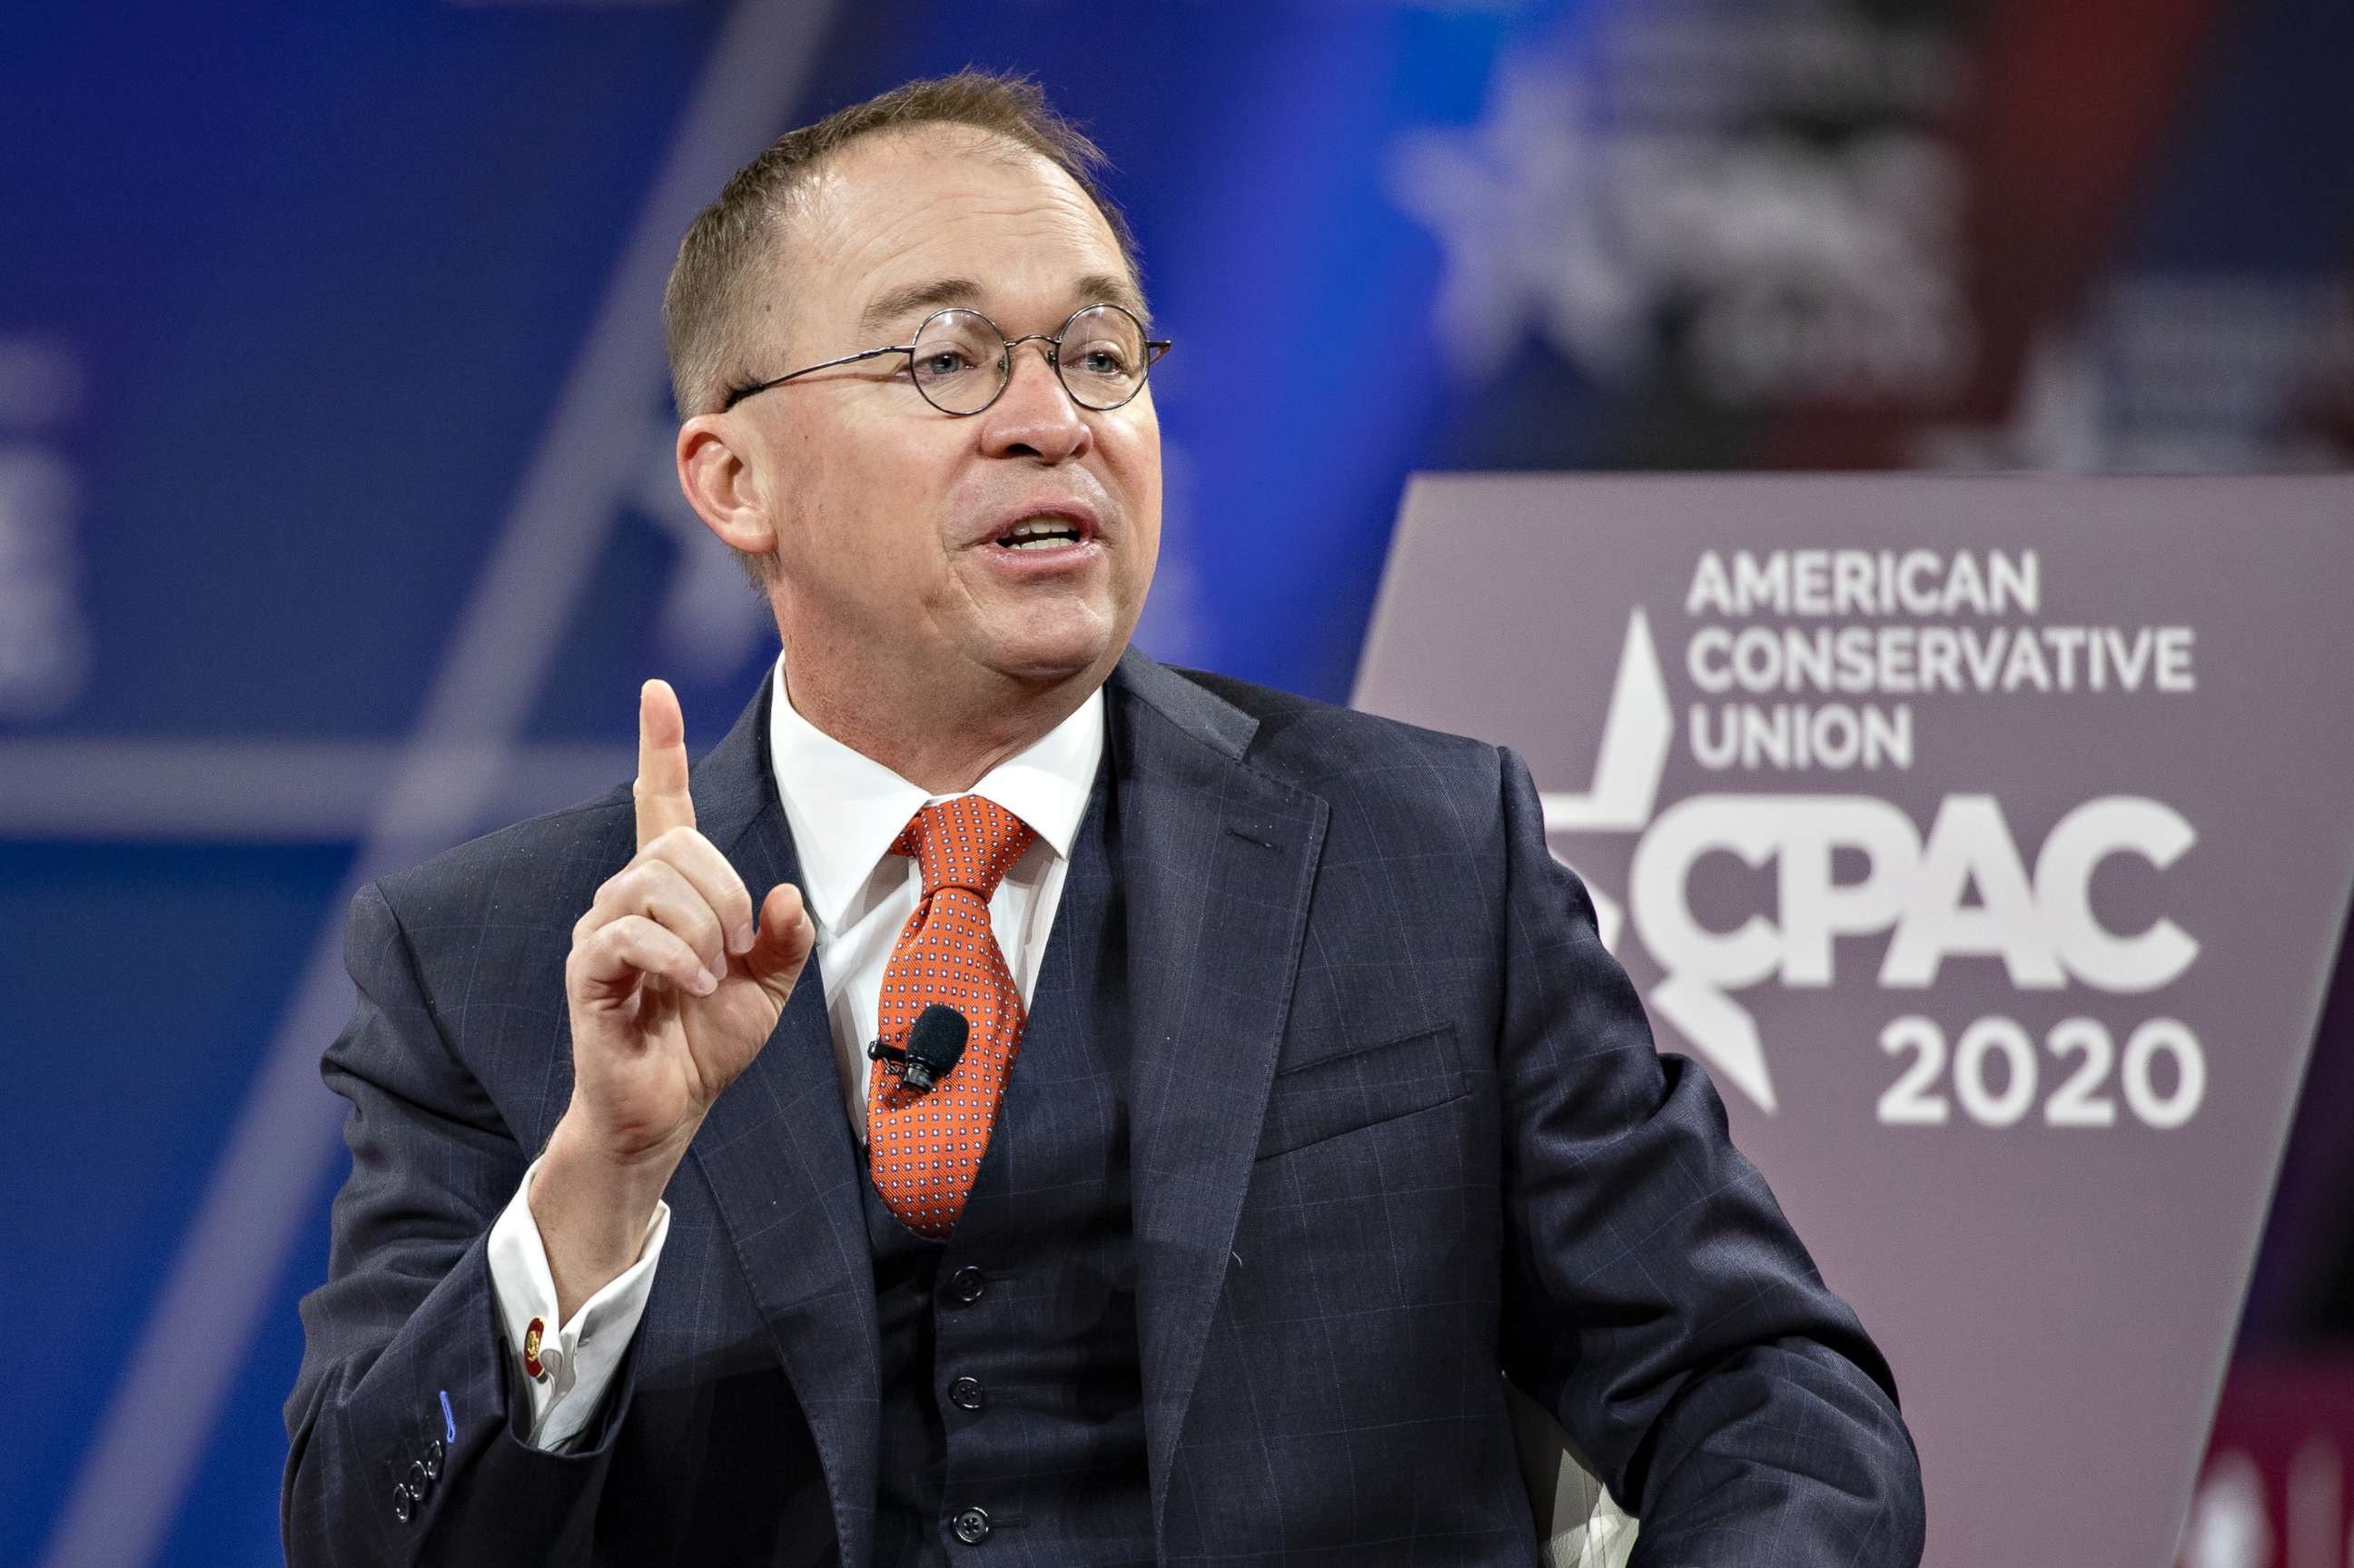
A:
(844, 809)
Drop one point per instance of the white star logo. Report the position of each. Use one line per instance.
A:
(1622, 801)
(1520, 204)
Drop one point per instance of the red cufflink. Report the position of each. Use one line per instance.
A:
(531, 1348)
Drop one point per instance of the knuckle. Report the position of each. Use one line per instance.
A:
(584, 963)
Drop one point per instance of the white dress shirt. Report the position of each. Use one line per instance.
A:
(845, 810)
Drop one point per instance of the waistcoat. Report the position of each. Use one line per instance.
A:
(1013, 1427)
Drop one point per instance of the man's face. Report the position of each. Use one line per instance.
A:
(891, 517)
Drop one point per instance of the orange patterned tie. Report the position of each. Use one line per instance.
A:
(925, 1148)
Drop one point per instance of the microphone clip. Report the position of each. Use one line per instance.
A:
(936, 1042)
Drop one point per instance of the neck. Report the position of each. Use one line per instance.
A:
(941, 740)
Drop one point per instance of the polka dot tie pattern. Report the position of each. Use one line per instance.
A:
(924, 1149)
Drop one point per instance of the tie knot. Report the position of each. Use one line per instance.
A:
(966, 842)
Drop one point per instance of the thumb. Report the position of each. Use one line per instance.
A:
(782, 945)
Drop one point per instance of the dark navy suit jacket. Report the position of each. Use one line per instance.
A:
(1396, 1126)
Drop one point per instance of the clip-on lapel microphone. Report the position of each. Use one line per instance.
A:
(935, 1041)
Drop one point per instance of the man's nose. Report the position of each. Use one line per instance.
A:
(1034, 416)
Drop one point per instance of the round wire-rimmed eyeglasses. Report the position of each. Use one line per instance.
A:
(961, 363)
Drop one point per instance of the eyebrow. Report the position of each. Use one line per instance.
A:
(898, 305)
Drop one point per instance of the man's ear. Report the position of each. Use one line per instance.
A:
(717, 480)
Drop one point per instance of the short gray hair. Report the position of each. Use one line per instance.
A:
(708, 292)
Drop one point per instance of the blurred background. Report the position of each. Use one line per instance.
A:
(337, 520)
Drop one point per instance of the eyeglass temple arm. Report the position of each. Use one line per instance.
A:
(737, 396)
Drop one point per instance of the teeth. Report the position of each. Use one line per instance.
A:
(1040, 532)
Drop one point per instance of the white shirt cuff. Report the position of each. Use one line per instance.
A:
(576, 1360)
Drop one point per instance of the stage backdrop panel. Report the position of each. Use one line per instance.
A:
(1988, 838)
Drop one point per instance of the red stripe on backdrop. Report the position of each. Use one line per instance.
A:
(2058, 140)
(2072, 103)
(2274, 1490)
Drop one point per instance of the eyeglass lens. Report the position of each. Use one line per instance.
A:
(960, 361)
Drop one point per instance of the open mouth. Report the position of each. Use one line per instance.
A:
(1041, 534)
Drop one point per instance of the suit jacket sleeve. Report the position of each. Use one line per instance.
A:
(408, 1315)
(1657, 1301)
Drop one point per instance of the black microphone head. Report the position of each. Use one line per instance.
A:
(935, 1043)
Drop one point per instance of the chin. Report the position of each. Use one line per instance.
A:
(1039, 654)
(1045, 666)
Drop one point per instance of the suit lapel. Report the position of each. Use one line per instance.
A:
(777, 1152)
(1218, 859)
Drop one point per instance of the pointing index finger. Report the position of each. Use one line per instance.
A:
(660, 789)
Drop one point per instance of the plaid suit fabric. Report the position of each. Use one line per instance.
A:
(1397, 1131)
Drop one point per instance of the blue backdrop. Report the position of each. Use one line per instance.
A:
(336, 520)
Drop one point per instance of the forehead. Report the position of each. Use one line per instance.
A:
(897, 213)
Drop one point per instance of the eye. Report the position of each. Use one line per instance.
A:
(934, 363)
(1102, 359)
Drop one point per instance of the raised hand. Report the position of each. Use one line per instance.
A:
(672, 989)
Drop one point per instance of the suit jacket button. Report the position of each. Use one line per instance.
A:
(403, 1505)
(433, 1452)
(417, 1479)
(965, 1393)
(972, 1526)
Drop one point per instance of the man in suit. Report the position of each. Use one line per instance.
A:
(1322, 1115)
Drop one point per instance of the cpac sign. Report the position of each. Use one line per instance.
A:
(1987, 840)
(1963, 891)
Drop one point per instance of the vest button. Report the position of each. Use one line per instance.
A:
(966, 1285)
(972, 1526)
(965, 1393)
